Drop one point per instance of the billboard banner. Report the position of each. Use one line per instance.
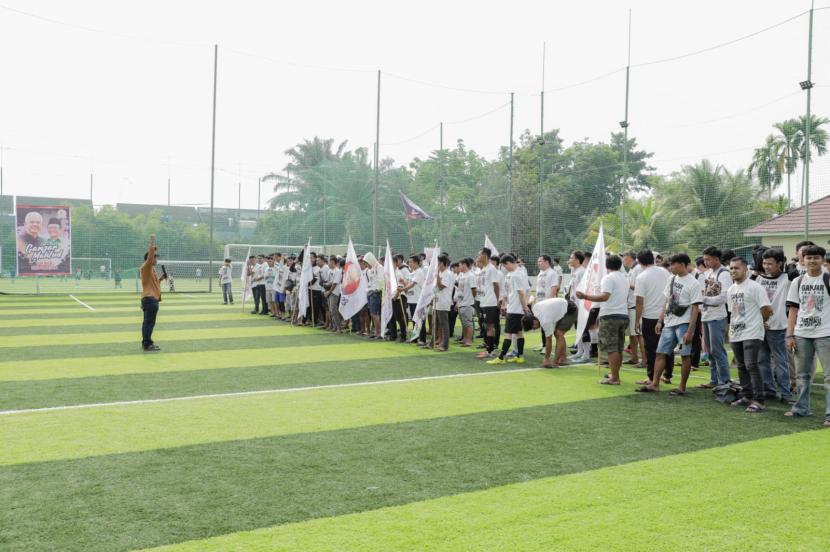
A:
(43, 240)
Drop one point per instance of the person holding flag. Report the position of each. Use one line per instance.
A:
(590, 285)
(389, 288)
(426, 296)
(353, 286)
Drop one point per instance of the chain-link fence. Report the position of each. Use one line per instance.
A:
(532, 193)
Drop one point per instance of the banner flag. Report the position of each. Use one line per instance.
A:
(305, 280)
(390, 287)
(412, 211)
(353, 287)
(425, 298)
(246, 284)
(590, 283)
(44, 240)
(489, 245)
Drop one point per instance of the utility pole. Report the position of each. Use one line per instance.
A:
(377, 173)
(510, 182)
(441, 182)
(212, 166)
(541, 150)
(808, 86)
(624, 125)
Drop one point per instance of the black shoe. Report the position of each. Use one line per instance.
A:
(225, 303)
(151, 348)
(254, 312)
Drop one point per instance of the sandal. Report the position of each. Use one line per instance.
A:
(791, 414)
(666, 380)
(608, 381)
(741, 402)
(755, 408)
(643, 382)
(677, 393)
(646, 389)
(705, 386)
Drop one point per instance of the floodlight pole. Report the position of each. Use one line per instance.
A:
(808, 85)
(625, 142)
(441, 181)
(541, 148)
(510, 182)
(1, 170)
(377, 173)
(212, 167)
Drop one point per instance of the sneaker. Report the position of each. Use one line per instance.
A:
(151, 348)
(511, 354)
(516, 360)
(497, 360)
(581, 360)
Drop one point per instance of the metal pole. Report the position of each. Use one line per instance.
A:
(90, 192)
(625, 143)
(377, 173)
(541, 148)
(807, 125)
(325, 208)
(441, 182)
(1, 171)
(258, 196)
(212, 167)
(510, 182)
(168, 191)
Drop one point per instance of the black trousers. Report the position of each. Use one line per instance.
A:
(697, 343)
(150, 306)
(259, 297)
(317, 305)
(398, 322)
(650, 340)
(453, 316)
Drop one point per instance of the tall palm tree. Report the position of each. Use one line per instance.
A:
(787, 149)
(818, 139)
(765, 166)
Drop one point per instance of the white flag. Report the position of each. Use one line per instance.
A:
(246, 284)
(590, 283)
(305, 279)
(353, 287)
(390, 287)
(489, 245)
(425, 298)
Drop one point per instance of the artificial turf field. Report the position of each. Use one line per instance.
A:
(248, 434)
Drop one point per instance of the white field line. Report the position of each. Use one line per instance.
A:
(266, 391)
(82, 303)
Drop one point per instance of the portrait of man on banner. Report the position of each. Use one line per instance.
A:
(43, 237)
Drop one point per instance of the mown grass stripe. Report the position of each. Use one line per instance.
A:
(97, 320)
(162, 335)
(68, 303)
(157, 497)
(134, 324)
(53, 435)
(638, 505)
(99, 312)
(37, 394)
(27, 370)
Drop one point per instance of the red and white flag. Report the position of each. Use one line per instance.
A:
(591, 282)
(390, 287)
(353, 287)
(246, 281)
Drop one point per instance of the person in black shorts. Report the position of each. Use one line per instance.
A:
(517, 285)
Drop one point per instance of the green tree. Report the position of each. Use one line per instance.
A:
(787, 147)
(765, 165)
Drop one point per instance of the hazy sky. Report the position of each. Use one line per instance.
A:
(133, 111)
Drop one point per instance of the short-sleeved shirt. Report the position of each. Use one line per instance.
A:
(776, 289)
(615, 284)
(809, 294)
(543, 283)
(516, 283)
(549, 312)
(444, 299)
(336, 278)
(464, 284)
(715, 284)
(225, 274)
(651, 286)
(632, 282)
(489, 276)
(684, 291)
(414, 292)
(744, 301)
(576, 277)
(269, 274)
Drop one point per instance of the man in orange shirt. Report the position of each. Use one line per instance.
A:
(150, 296)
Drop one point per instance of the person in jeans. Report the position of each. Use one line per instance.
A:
(444, 283)
(773, 360)
(676, 323)
(516, 283)
(715, 283)
(750, 309)
(225, 280)
(613, 315)
(808, 329)
(150, 296)
(649, 302)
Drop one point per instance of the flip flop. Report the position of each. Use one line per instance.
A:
(607, 381)
(677, 393)
(646, 389)
(643, 382)
(705, 386)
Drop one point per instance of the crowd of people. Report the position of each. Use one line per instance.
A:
(773, 313)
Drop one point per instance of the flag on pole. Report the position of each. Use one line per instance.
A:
(246, 287)
(353, 287)
(305, 279)
(425, 298)
(590, 283)
(390, 287)
(489, 245)
(412, 211)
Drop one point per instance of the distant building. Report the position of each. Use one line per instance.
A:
(786, 230)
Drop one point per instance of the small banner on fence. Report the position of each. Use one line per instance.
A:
(44, 239)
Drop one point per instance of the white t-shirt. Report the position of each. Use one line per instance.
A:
(744, 302)
(685, 292)
(282, 277)
(714, 294)
(523, 270)
(502, 285)
(259, 269)
(315, 274)
(632, 281)
(371, 279)
(543, 283)
(464, 289)
(549, 312)
(489, 276)
(776, 289)
(415, 291)
(444, 299)
(516, 282)
(269, 273)
(813, 306)
(576, 277)
(614, 283)
(336, 278)
(651, 286)
(224, 274)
